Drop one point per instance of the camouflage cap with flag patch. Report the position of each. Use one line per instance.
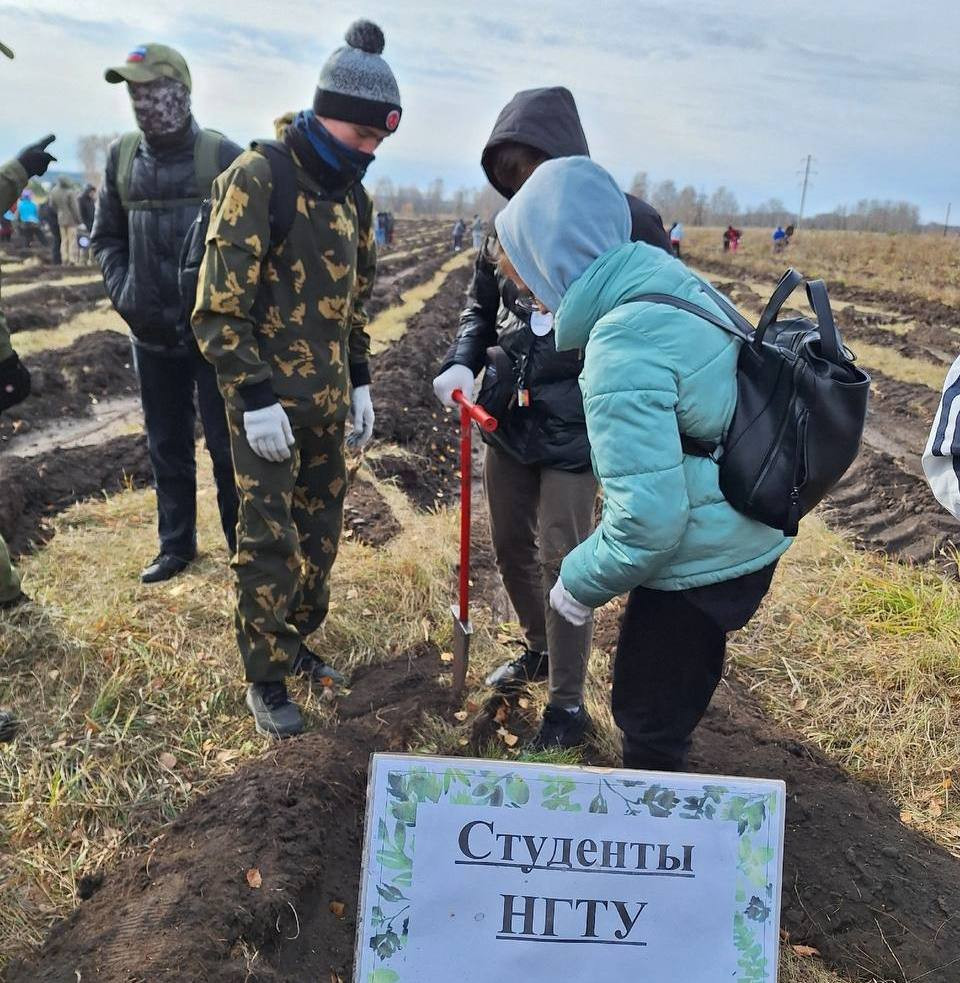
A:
(150, 62)
(7, 51)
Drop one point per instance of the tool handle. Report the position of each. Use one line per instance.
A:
(476, 413)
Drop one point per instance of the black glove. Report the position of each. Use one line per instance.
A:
(35, 158)
(14, 382)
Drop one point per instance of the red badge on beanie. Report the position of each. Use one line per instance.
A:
(393, 120)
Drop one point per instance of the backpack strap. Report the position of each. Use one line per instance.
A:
(206, 162)
(283, 195)
(691, 308)
(206, 159)
(126, 152)
(360, 201)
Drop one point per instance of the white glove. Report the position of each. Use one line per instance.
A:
(447, 383)
(362, 417)
(268, 432)
(568, 607)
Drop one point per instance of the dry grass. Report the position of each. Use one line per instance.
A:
(891, 363)
(925, 266)
(74, 280)
(391, 324)
(861, 655)
(102, 318)
(132, 697)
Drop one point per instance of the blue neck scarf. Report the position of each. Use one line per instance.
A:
(351, 164)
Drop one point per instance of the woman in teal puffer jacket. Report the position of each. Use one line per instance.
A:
(694, 567)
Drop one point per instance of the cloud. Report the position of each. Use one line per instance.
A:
(707, 93)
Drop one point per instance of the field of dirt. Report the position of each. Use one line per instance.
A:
(875, 898)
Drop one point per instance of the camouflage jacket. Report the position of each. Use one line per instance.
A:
(285, 323)
(13, 179)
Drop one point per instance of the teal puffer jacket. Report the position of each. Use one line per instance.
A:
(652, 372)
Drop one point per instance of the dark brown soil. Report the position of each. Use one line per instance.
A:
(34, 488)
(50, 305)
(66, 382)
(368, 517)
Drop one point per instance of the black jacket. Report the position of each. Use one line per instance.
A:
(139, 251)
(551, 432)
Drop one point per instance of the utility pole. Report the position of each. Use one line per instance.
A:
(803, 194)
(946, 221)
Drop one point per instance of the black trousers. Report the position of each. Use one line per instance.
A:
(55, 258)
(669, 661)
(168, 383)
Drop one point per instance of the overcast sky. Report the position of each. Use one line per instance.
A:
(706, 92)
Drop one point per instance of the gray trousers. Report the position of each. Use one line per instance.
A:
(537, 515)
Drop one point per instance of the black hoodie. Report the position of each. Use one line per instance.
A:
(551, 431)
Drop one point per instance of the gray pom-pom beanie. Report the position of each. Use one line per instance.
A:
(356, 84)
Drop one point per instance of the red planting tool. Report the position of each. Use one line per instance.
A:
(462, 629)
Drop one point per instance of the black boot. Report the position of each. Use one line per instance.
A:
(163, 567)
(561, 729)
(531, 667)
(274, 714)
(312, 667)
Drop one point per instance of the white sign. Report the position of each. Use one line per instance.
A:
(479, 870)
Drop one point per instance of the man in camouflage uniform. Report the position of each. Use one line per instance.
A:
(14, 377)
(284, 325)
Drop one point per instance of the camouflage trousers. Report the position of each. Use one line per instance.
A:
(9, 580)
(288, 531)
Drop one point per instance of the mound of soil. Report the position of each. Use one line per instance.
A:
(184, 909)
(66, 381)
(368, 516)
(49, 305)
(34, 488)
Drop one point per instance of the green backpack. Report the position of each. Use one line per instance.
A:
(206, 161)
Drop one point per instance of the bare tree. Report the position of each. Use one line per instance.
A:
(92, 151)
(639, 187)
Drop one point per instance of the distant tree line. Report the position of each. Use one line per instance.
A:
(675, 204)
(721, 208)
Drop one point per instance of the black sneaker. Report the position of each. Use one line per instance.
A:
(8, 726)
(531, 667)
(163, 567)
(14, 602)
(312, 667)
(561, 729)
(274, 715)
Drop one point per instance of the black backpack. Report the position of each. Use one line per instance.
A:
(801, 406)
(283, 210)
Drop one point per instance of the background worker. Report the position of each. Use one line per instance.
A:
(540, 488)
(63, 198)
(285, 327)
(155, 180)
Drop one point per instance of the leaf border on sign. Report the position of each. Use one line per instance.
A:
(754, 935)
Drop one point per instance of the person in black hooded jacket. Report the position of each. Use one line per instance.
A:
(155, 180)
(537, 474)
